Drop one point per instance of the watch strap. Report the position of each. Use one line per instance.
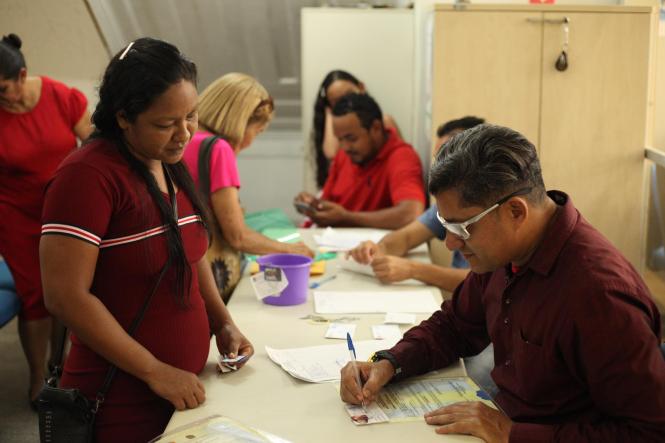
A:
(387, 355)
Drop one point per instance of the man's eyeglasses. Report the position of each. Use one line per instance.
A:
(460, 229)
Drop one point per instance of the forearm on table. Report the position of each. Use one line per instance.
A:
(393, 244)
(401, 241)
(433, 344)
(389, 218)
(237, 234)
(253, 242)
(444, 278)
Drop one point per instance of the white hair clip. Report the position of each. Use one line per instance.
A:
(124, 53)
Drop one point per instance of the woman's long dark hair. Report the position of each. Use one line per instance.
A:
(322, 163)
(133, 80)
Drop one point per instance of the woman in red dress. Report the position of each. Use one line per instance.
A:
(40, 120)
(109, 229)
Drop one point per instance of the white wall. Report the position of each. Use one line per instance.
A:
(376, 45)
(271, 172)
(60, 40)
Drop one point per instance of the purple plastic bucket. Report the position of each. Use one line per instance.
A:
(296, 268)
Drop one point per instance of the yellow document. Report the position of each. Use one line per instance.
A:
(411, 399)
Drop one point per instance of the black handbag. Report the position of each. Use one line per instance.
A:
(66, 415)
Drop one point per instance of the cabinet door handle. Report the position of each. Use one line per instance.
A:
(549, 21)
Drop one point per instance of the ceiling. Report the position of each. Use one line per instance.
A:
(257, 37)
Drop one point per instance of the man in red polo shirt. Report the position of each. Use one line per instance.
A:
(375, 179)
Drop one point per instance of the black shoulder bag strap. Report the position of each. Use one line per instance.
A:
(204, 166)
(113, 369)
(55, 362)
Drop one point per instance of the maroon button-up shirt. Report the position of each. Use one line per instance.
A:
(576, 339)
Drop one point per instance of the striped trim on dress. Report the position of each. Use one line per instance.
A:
(82, 234)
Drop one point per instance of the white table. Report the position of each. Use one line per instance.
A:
(264, 396)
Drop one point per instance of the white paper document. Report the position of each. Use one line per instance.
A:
(411, 399)
(374, 302)
(319, 364)
(400, 318)
(386, 332)
(340, 240)
(339, 330)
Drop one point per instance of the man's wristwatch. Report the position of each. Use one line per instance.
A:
(386, 355)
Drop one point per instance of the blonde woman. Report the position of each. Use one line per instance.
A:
(236, 108)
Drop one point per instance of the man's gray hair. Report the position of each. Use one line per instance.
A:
(486, 163)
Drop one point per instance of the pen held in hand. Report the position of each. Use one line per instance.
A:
(352, 355)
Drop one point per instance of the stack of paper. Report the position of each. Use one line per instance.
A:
(320, 364)
(336, 240)
(374, 302)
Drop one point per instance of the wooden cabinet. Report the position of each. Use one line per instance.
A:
(590, 123)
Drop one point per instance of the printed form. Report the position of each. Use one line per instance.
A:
(411, 399)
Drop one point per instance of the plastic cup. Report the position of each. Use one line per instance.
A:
(296, 268)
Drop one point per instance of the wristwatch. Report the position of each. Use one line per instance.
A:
(386, 355)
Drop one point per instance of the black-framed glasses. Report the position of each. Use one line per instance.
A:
(460, 229)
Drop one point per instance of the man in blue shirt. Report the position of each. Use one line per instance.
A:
(386, 257)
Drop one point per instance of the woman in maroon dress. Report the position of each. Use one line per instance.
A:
(109, 228)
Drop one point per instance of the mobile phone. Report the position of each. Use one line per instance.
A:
(303, 207)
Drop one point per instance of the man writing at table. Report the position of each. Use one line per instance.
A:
(375, 179)
(575, 332)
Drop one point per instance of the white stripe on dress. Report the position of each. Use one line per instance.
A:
(57, 228)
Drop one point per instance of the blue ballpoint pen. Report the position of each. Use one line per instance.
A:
(322, 281)
(352, 355)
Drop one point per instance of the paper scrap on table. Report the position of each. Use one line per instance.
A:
(269, 282)
(400, 318)
(374, 302)
(411, 399)
(386, 332)
(339, 330)
(349, 264)
(320, 364)
(342, 240)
